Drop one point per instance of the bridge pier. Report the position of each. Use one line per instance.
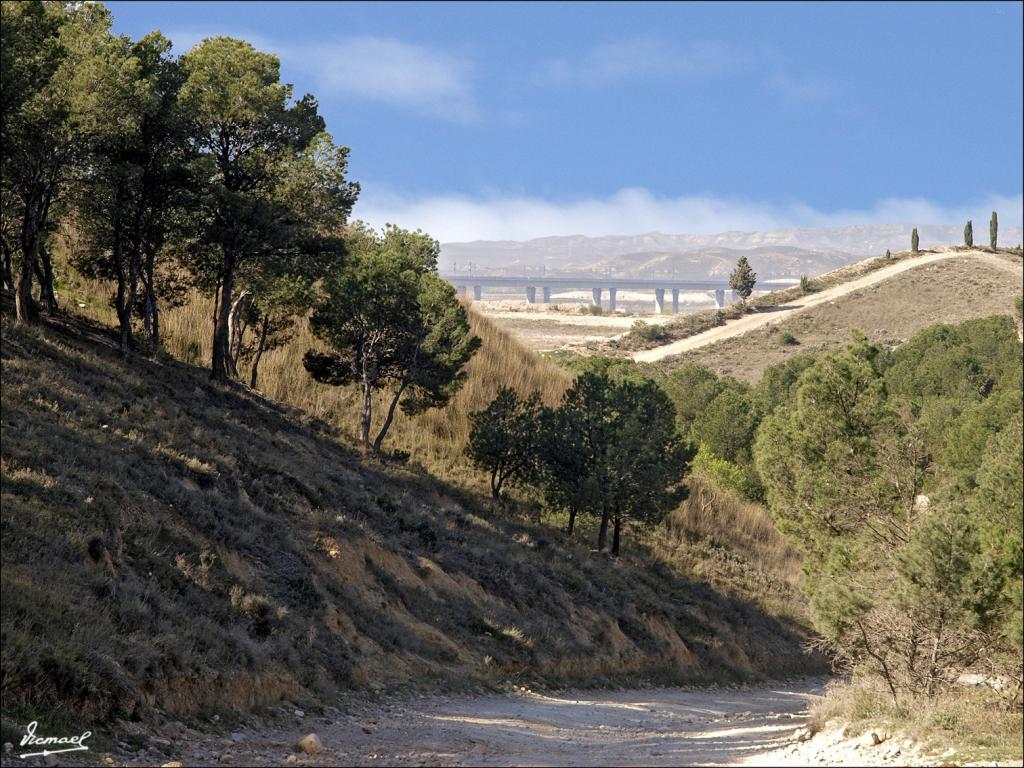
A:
(659, 300)
(734, 296)
(675, 301)
(611, 298)
(545, 293)
(460, 289)
(596, 296)
(478, 291)
(531, 294)
(719, 298)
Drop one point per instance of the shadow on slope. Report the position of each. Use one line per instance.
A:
(172, 545)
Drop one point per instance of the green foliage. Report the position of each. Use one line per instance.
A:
(62, 72)
(610, 449)
(965, 361)
(728, 424)
(915, 241)
(132, 194)
(648, 331)
(392, 323)
(691, 388)
(899, 476)
(724, 475)
(273, 183)
(969, 234)
(786, 339)
(993, 231)
(743, 278)
(505, 439)
(778, 381)
(807, 285)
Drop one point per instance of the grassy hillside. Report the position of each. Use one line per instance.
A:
(175, 544)
(889, 313)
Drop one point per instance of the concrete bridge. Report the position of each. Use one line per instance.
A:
(598, 285)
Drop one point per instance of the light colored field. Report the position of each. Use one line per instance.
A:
(942, 288)
(565, 323)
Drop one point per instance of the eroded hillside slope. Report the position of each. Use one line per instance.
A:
(170, 543)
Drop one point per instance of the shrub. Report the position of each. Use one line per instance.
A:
(648, 332)
(786, 339)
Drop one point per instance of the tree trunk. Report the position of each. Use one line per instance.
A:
(235, 333)
(124, 300)
(615, 534)
(259, 351)
(25, 305)
(47, 296)
(7, 267)
(366, 416)
(390, 417)
(495, 485)
(152, 311)
(220, 364)
(602, 535)
(572, 521)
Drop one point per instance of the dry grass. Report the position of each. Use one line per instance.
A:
(973, 721)
(699, 322)
(733, 544)
(889, 313)
(435, 439)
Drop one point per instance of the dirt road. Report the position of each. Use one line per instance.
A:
(640, 727)
(783, 311)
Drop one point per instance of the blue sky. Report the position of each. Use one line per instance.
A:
(522, 120)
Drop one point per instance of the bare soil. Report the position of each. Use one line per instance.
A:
(632, 727)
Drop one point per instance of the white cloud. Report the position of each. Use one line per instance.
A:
(802, 90)
(455, 218)
(426, 80)
(639, 57)
(383, 69)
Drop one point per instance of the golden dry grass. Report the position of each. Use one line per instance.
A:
(434, 439)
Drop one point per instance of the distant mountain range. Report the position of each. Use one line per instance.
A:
(776, 254)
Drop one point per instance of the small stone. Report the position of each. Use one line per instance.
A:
(310, 744)
(237, 736)
(291, 759)
(299, 713)
(367, 730)
(172, 764)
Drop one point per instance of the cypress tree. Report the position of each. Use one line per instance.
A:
(969, 234)
(914, 240)
(743, 278)
(993, 230)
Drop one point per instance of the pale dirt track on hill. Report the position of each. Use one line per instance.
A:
(637, 727)
(783, 311)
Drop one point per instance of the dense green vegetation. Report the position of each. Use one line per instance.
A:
(610, 449)
(898, 476)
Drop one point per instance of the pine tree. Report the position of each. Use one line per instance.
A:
(993, 230)
(969, 234)
(743, 278)
(914, 241)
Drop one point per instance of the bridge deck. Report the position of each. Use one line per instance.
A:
(583, 282)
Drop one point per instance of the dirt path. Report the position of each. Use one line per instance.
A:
(783, 311)
(640, 727)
